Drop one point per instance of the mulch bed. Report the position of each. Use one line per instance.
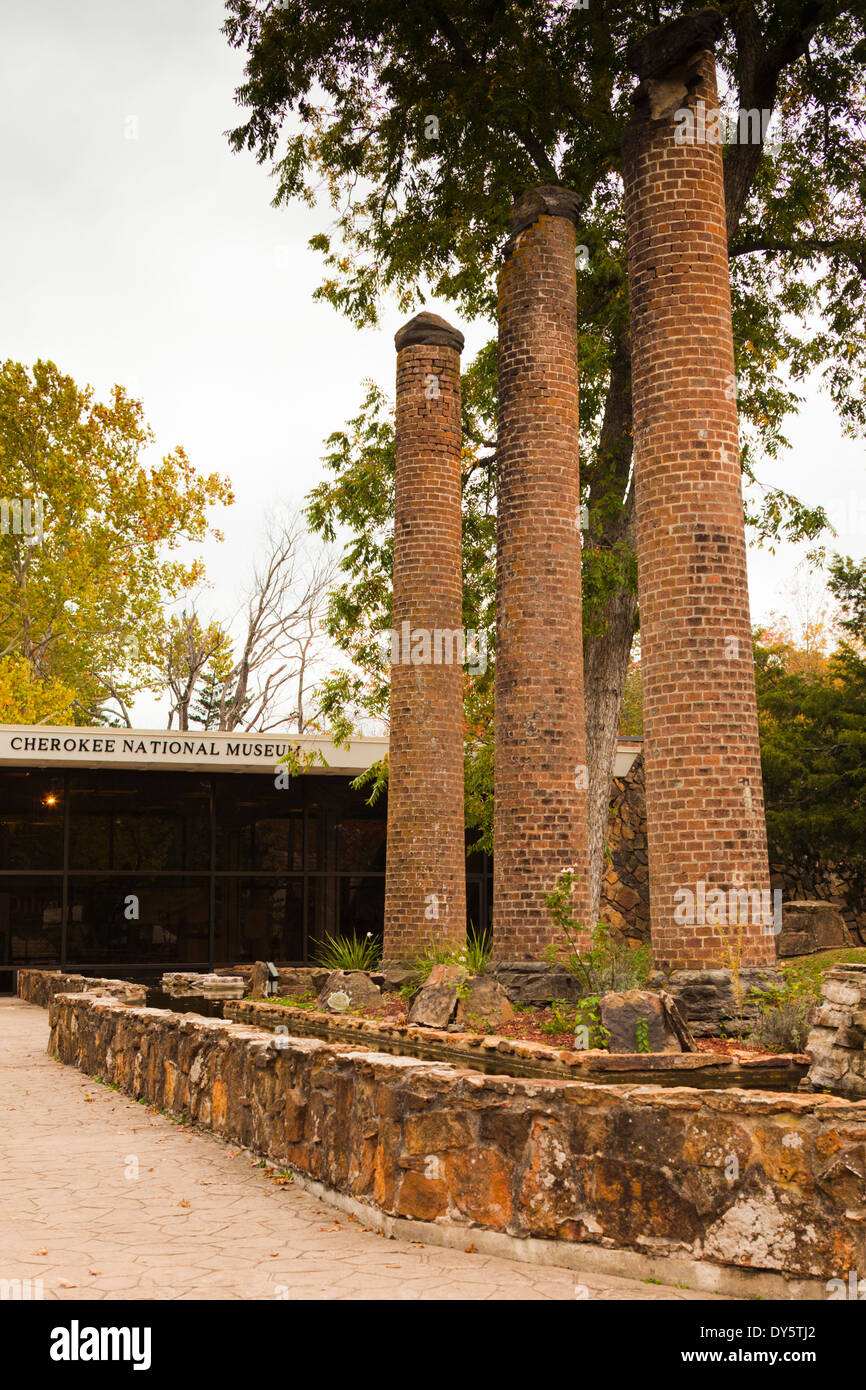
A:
(528, 1027)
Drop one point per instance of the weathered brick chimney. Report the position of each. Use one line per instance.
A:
(540, 819)
(425, 891)
(705, 806)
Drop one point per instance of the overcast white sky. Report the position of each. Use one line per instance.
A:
(157, 261)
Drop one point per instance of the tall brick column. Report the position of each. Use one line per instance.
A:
(541, 813)
(425, 890)
(705, 806)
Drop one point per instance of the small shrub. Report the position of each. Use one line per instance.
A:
(642, 1035)
(479, 1024)
(349, 952)
(607, 962)
(563, 1018)
(474, 957)
(589, 1031)
(732, 948)
(785, 1012)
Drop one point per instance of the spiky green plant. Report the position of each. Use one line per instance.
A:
(477, 950)
(349, 952)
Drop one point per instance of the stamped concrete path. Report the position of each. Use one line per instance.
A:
(101, 1198)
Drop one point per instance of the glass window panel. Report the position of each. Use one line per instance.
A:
(116, 918)
(327, 821)
(476, 862)
(362, 842)
(474, 909)
(345, 832)
(362, 906)
(259, 826)
(260, 919)
(31, 819)
(139, 821)
(322, 903)
(30, 920)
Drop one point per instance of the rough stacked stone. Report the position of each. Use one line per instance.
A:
(837, 1042)
(811, 926)
(839, 885)
(182, 984)
(40, 986)
(705, 807)
(519, 1057)
(606, 1167)
(425, 891)
(540, 817)
(713, 1002)
(625, 902)
(293, 979)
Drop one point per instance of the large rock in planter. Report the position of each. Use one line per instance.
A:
(483, 999)
(708, 1001)
(809, 926)
(294, 979)
(536, 982)
(435, 1004)
(623, 1013)
(348, 989)
(394, 977)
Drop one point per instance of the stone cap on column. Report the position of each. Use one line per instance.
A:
(671, 45)
(548, 199)
(428, 330)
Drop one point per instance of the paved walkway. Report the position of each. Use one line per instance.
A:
(201, 1219)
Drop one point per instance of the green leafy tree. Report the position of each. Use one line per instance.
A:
(847, 583)
(813, 749)
(424, 121)
(83, 587)
(207, 709)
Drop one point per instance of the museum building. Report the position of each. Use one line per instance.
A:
(135, 851)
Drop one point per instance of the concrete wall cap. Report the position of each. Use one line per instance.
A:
(671, 45)
(549, 199)
(428, 330)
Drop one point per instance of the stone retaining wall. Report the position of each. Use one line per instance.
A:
(625, 902)
(725, 1179)
(40, 987)
(837, 1042)
(526, 1058)
(840, 885)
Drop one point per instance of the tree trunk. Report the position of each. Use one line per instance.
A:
(610, 627)
(605, 666)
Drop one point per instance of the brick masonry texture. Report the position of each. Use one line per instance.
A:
(704, 796)
(425, 892)
(624, 1167)
(540, 817)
